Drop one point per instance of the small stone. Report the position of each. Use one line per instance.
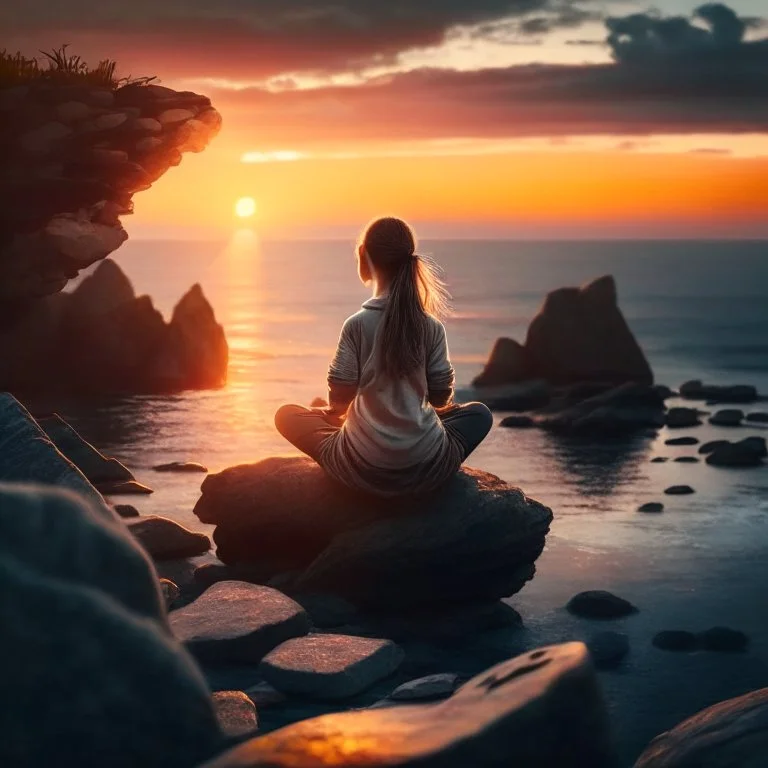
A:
(330, 666)
(430, 688)
(174, 116)
(108, 122)
(723, 640)
(148, 144)
(687, 460)
(518, 422)
(128, 488)
(679, 490)
(170, 591)
(73, 111)
(730, 417)
(682, 417)
(675, 640)
(165, 539)
(236, 714)
(109, 157)
(599, 604)
(758, 417)
(607, 649)
(146, 125)
(238, 622)
(182, 467)
(101, 97)
(713, 445)
(683, 441)
(660, 460)
(126, 510)
(264, 695)
(42, 140)
(652, 507)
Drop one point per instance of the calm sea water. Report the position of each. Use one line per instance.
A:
(698, 309)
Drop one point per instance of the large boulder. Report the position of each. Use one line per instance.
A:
(731, 733)
(96, 678)
(475, 540)
(540, 709)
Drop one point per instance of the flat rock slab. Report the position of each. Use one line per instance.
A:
(495, 720)
(167, 540)
(126, 510)
(129, 488)
(732, 733)
(430, 688)
(182, 467)
(330, 666)
(238, 622)
(682, 441)
(679, 490)
(236, 714)
(599, 604)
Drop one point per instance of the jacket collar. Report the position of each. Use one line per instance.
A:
(376, 302)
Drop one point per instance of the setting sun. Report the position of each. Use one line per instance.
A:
(245, 207)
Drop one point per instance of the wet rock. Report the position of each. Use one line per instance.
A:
(507, 364)
(682, 441)
(652, 507)
(679, 418)
(181, 467)
(475, 540)
(599, 604)
(723, 639)
(430, 688)
(330, 666)
(711, 446)
(170, 592)
(660, 460)
(676, 640)
(757, 417)
(608, 649)
(126, 510)
(237, 622)
(236, 714)
(687, 460)
(679, 490)
(165, 539)
(488, 723)
(518, 422)
(730, 417)
(128, 488)
(731, 733)
(745, 453)
(737, 393)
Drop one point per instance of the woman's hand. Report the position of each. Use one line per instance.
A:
(332, 417)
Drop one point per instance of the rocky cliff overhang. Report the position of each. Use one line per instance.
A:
(71, 159)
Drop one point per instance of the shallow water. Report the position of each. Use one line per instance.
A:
(699, 311)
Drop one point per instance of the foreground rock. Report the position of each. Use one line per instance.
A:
(493, 721)
(236, 714)
(732, 733)
(736, 393)
(103, 338)
(476, 540)
(745, 453)
(165, 539)
(237, 622)
(330, 666)
(599, 604)
(95, 679)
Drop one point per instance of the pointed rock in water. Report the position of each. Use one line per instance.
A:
(723, 640)
(330, 666)
(731, 733)
(652, 507)
(181, 466)
(599, 604)
(430, 688)
(475, 540)
(236, 714)
(679, 490)
(165, 539)
(730, 417)
(486, 724)
(678, 418)
(608, 649)
(676, 640)
(682, 441)
(237, 622)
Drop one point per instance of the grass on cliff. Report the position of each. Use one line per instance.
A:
(61, 67)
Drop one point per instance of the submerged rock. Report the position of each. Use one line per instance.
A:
(682, 441)
(736, 393)
(182, 467)
(679, 490)
(712, 445)
(687, 460)
(518, 422)
(165, 539)
(330, 666)
(723, 640)
(757, 417)
(237, 622)
(236, 714)
(730, 417)
(599, 604)
(652, 507)
(475, 540)
(676, 640)
(745, 453)
(128, 488)
(680, 418)
(731, 733)
(491, 721)
(608, 649)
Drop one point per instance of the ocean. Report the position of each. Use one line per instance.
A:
(698, 309)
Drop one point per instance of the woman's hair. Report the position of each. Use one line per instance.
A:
(416, 290)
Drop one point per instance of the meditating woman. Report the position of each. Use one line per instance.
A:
(391, 427)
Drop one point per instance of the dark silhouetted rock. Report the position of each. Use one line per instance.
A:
(182, 467)
(236, 714)
(687, 460)
(608, 649)
(166, 539)
(475, 540)
(737, 393)
(711, 446)
(676, 640)
(652, 507)
(581, 335)
(730, 417)
(660, 460)
(237, 622)
(723, 640)
(328, 611)
(494, 720)
(127, 488)
(757, 417)
(126, 510)
(330, 666)
(745, 453)
(598, 604)
(518, 422)
(430, 688)
(507, 364)
(731, 733)
(679, 490)
(682, 441)
(680, 418)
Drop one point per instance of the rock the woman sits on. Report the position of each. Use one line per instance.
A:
(392, 427)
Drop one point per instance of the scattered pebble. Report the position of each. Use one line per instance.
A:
(676, 640)
(659, 460)
(679, 490)
(687, 460)
(607, 649)
(683, 441)
(723, 640)
(599, 604)
(181, 466)
(652, 506)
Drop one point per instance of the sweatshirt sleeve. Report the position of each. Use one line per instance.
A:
(345, 366)
(440, 373)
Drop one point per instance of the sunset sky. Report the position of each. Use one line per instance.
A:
(530, 118)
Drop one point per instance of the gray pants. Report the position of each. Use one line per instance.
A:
(307, 428)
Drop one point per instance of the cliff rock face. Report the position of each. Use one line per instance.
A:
(71, 159)
(101, 337)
